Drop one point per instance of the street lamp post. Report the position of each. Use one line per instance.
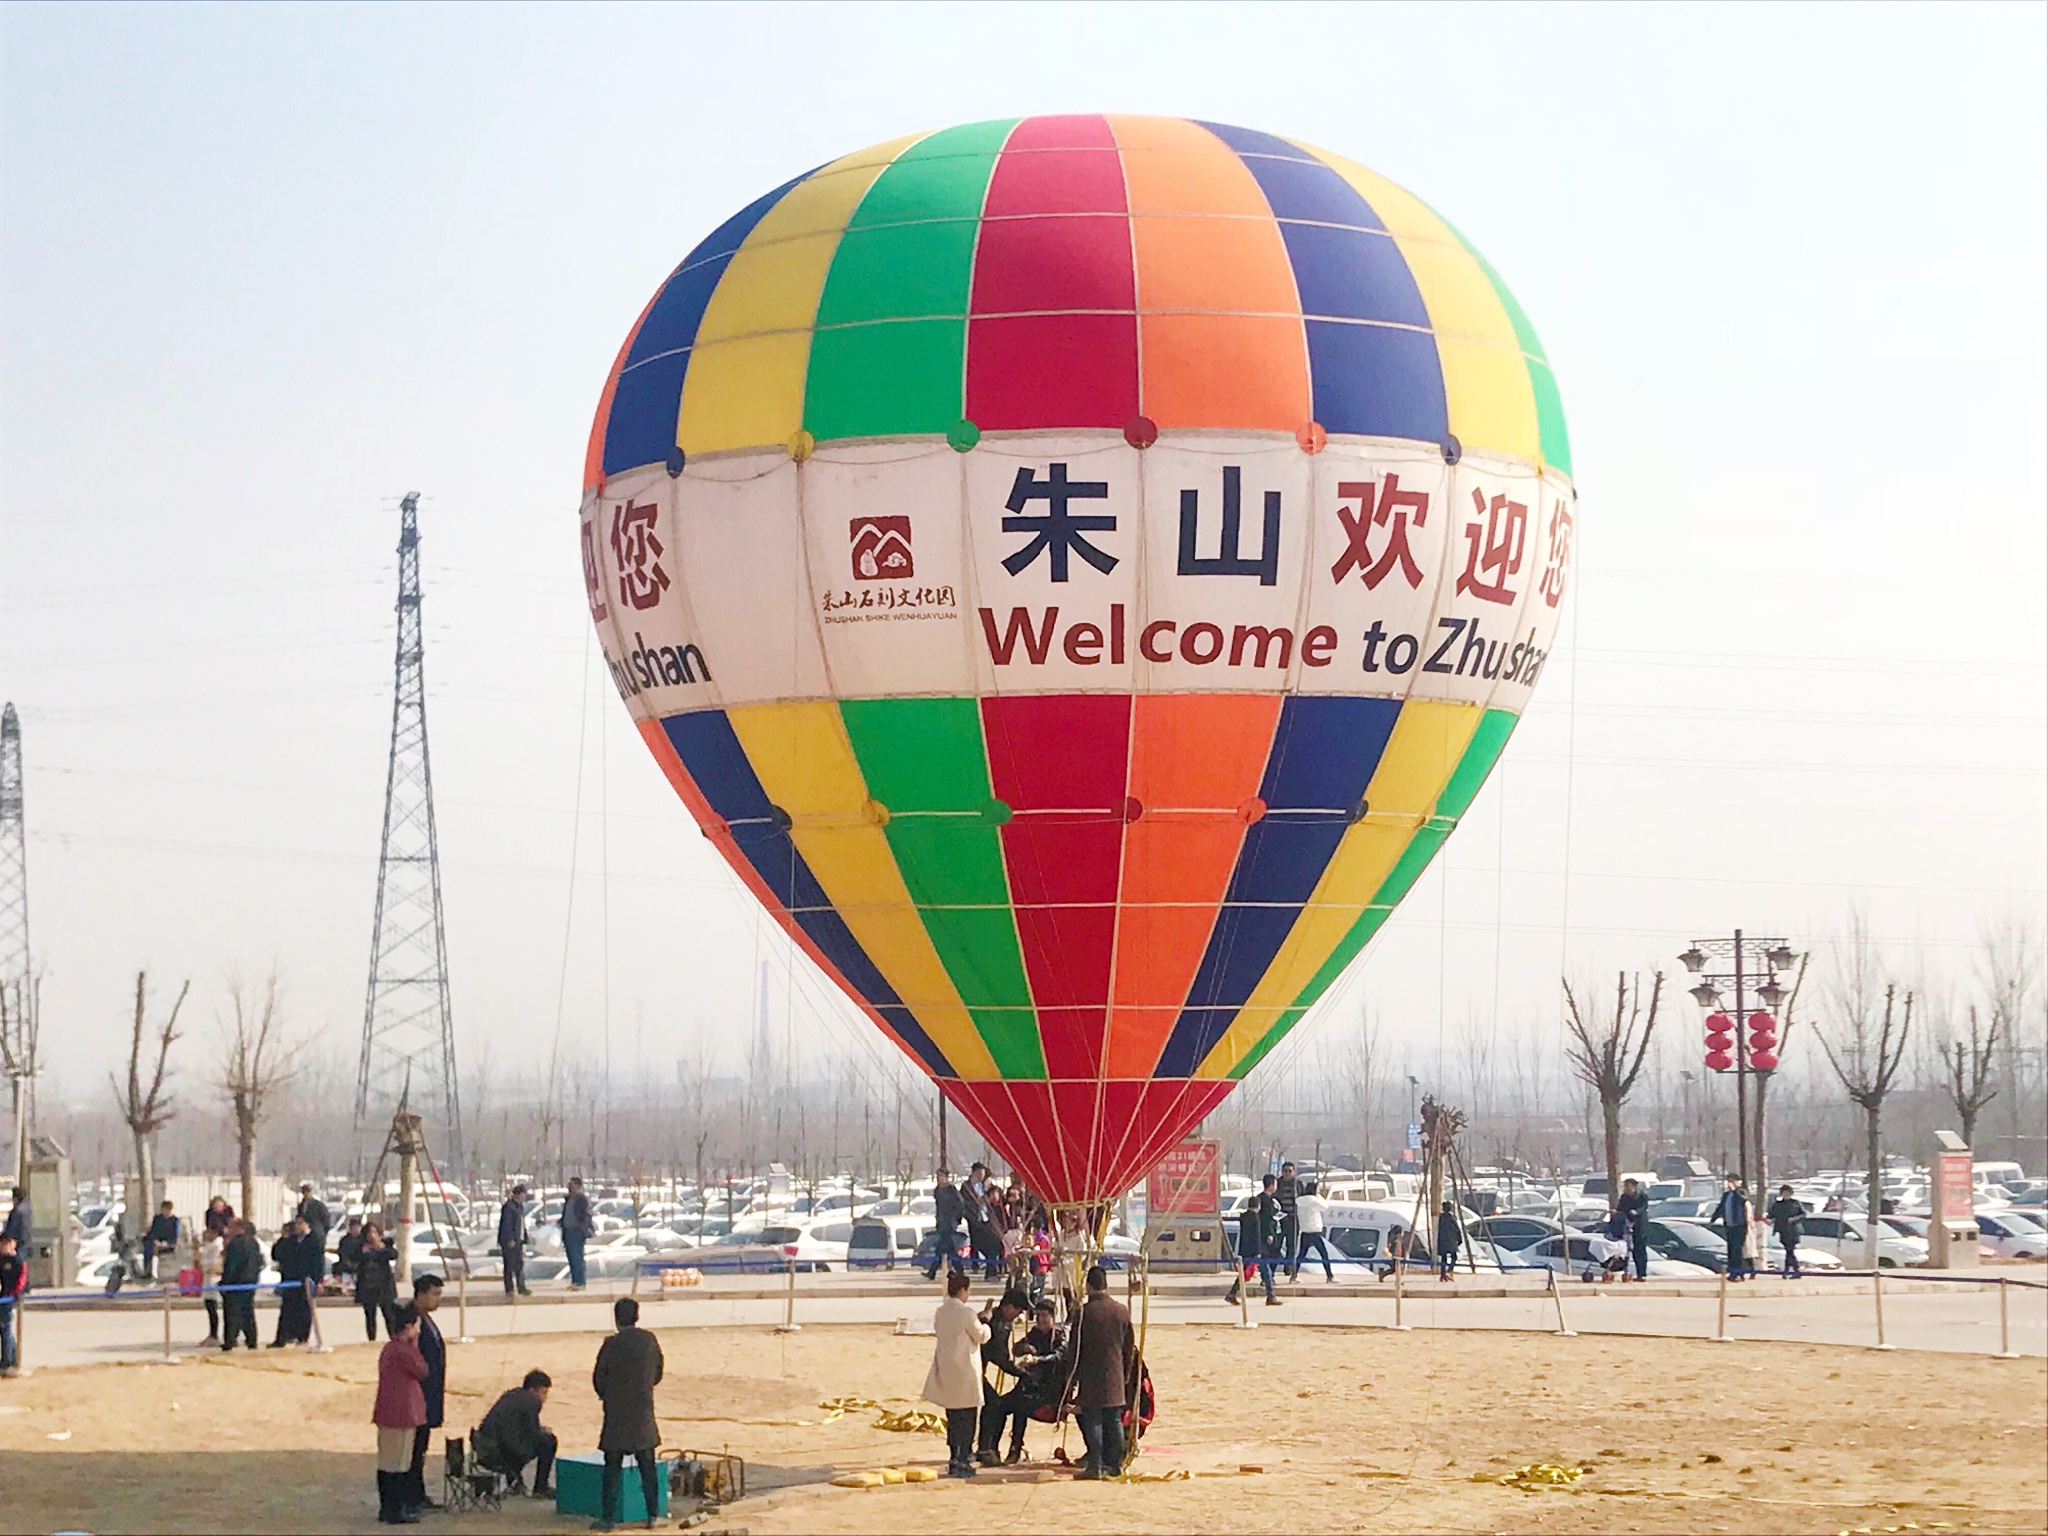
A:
(1734, 965)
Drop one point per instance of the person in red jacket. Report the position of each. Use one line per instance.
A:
(400, 1410)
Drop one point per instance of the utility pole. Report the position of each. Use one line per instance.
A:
(408, 1031)
(17, 983)
(1748, 967)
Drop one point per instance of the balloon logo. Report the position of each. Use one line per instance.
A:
(1078, 570)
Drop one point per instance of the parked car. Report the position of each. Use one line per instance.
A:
(1844, 1236)
(1573, 1256)
(2012, 1234)
(1515, 1233)
(1693, 1243)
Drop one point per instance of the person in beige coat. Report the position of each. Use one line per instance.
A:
(954, 1381)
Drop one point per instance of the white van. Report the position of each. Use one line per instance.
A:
(2000, 1174)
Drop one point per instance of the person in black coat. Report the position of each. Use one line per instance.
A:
(346, 1247)
(1259, 1239)
(629, 1367)
(512, 1240)
(20, 1217)
(161, 1236)
(512, 1434)
(1449, 1237)
(241, 1267)
(1788, 1221)
(1634, 1209)
(376, 1281)
(313, 1212)
(949, 1211)
(298, 1263)
(1733, 1215)
(426, 1297)
(999, 1408)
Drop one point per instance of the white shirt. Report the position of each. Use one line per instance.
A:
(1308, 1211)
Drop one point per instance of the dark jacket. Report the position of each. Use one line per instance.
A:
(576, 1220)
(13, 1274)
(162, 1233)
(511, 1225)
(313, 1212)
(1288, 1193)
(1266, 1208)
(347, 1251)
(241, 1261)
(217, 1220)
(948, 1209)
(1733, 1211)
(297, 1256)
(1634, 1209)
(1788, 1220)
(511, 1434)
(434, 1350)
(18, 1222)
(1249, 1243)
(376, 1279)
(1448, 1234)
(400, 1371)
(1102, 1354)
(628, 1367)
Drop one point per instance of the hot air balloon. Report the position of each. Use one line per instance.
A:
(1078, 570)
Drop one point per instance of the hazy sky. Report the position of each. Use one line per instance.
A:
(265, 269)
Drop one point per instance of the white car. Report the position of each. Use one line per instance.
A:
(1578, 1261)
(822, 1244)
(2012, 1234)
(1847, 1239)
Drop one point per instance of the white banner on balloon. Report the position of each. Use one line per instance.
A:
(1075, 563)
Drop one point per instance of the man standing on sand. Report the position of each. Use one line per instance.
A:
(1634, 1209)
(241, 1268)
(577, 1228)
(512, 1240)
(426, 1297)
(1102, 1357)
(628, 1369)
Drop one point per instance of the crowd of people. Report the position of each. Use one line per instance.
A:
(1089, 1366)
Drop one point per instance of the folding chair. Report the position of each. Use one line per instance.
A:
(468, 1486)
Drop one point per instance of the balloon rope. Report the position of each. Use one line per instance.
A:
(575, 845)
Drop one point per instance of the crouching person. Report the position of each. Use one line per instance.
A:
(512, 1435)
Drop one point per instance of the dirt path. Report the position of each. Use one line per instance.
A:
(1352, 1430)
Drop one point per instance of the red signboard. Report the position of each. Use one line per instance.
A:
(1954, 1180)
(1186, 1182)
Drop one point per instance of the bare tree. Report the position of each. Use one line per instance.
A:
(2008, 967)
(1606, 1054)
(144, 1102)
(1866, 1045)
(257, 1059)
(1966, 1069)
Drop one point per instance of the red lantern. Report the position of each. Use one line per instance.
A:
(1720, 1061)
(1763, 1061)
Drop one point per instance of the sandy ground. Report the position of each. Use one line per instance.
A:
(1348, 1429)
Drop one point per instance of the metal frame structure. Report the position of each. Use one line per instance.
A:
(408, 1028)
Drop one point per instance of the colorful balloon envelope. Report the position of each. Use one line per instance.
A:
(1078, 570)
